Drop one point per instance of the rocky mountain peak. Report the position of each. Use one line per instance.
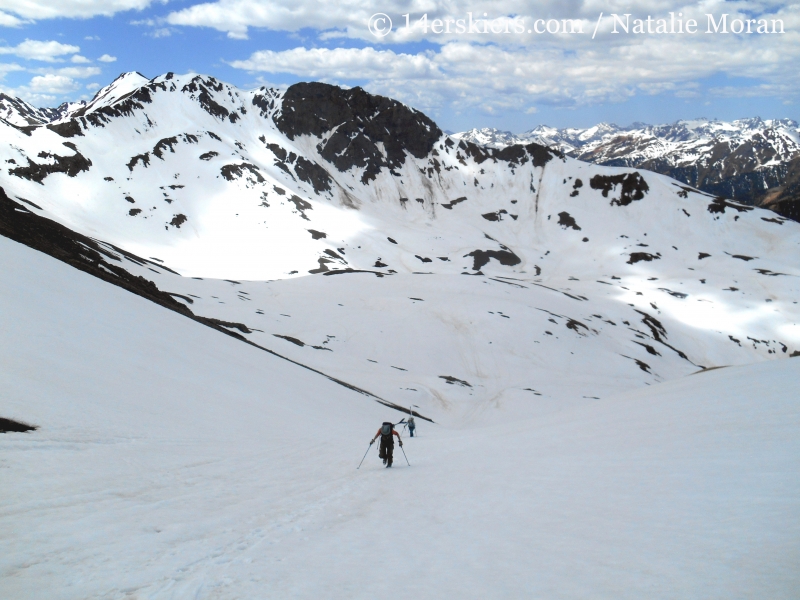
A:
(366, 131)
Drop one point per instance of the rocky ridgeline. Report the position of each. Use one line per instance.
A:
(754, 161)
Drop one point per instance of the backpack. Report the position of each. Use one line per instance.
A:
(386, 429)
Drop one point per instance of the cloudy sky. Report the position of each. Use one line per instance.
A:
(513, 67)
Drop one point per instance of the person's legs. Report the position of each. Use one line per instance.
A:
(389, 453)
(382, 453)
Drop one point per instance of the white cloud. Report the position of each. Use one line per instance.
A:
(78, 59)
(491, 78)
(83, 9)
(36, 50)
(235, 17)
(57, 78)
(6, 68)
(758, 91)
(33, 98)
(93, 86)
(342, 63)
(7, 20)
(107, 58)
(52, 84)
(157, 31)
(350, 17)
(490, 71)
(92, 38)
(74, 72)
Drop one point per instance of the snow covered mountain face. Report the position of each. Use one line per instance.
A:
(752, 161)
(347, 233)
(18, 112)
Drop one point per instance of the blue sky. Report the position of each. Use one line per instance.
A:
(52, 52)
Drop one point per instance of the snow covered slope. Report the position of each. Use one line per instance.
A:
(21, 114)
(173, 462)
(750, 160)
(18, 112)
(347, 232)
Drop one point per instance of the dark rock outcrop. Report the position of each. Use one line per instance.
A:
(362, 122)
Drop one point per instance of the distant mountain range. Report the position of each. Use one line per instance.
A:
(753, 161)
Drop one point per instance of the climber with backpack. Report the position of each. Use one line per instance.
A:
(387, 442)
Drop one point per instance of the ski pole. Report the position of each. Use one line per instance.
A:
(404, 454)
(365, 456)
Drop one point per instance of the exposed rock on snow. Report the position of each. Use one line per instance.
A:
(9, 425)
(356, 129)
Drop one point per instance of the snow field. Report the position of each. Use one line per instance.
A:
(173, 462)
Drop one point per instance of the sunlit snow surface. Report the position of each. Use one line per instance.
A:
(173, 461)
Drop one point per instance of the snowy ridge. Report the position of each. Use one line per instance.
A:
(319, 222)
(18, 112)
(568, 140)
(577, 141)
(751, 160)
(492, 138)
(117, 89)
(685, 143)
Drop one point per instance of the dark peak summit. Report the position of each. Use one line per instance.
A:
(360, 122)
(316, 108)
